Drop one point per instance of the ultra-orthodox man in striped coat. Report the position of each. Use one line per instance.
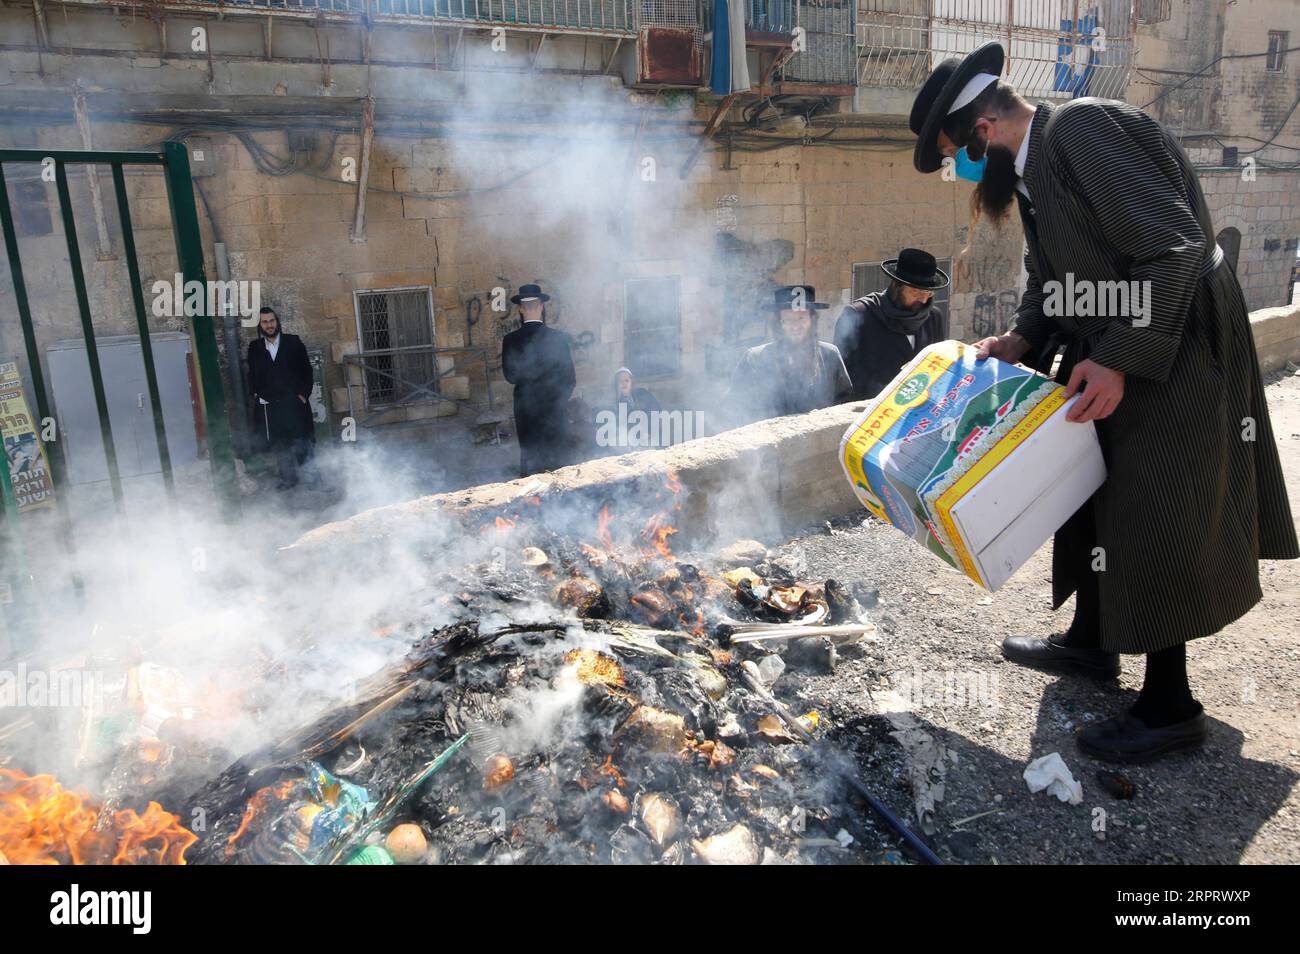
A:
(1124, 275)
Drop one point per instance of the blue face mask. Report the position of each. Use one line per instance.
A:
(968, 168)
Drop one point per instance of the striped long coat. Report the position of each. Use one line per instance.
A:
(1194, 496)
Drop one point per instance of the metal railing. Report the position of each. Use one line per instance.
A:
(831, 54)
(1055, 48)
(598, 16)
(770, 16)
(580, 14)
(174, 160)
(396, 366)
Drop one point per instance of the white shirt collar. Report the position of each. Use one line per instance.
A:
(1022, 157)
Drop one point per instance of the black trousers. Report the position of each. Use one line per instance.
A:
(286, 425)
(1078, 540)
(538, 458)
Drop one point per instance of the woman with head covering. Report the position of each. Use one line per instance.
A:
(629, 422)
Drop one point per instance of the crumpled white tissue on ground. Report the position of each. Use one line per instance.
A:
(1050, 772)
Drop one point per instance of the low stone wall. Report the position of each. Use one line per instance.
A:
(766, 480)
(1277, 336)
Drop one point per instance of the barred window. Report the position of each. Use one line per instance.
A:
(32, 208)
(1277, 44)
(1152, 11)
(652, 326)
(395, 331)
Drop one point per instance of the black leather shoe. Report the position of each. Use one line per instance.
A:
(1039, 653)
(1126, 738)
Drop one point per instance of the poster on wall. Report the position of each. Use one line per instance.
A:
(29, 471)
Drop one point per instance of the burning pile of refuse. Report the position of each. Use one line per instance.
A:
(41, 823)
(595, 701)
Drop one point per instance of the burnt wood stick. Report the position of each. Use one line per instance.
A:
(766, 633)
(749, 672)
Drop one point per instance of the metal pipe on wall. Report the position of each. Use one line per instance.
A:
(234, 362)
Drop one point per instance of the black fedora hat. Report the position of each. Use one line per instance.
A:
(916, 268)
(797, 298)
(529, 293)
(932, 103)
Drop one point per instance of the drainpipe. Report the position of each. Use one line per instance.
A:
(103, 246)
(234, 359)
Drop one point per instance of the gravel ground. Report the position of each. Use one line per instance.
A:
(1234, 801)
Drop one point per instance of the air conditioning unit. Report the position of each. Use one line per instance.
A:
(670, 44)
(669, 56)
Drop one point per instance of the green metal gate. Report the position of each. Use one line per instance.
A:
(174, 160)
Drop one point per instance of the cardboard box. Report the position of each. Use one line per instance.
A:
(972, 459)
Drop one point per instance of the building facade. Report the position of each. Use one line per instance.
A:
(390, 171)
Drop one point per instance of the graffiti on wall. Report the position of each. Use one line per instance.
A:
(486, 325)
(994, 313)
(982, 273)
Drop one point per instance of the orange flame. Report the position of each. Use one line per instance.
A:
(693, 621)
(602, 529)
(673, 485)
(255, 806)
(504, 524)
(609, 769)
(42, 823)
(656, 533)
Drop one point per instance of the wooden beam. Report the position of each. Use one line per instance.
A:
(709, 129)
(618, 44)
(777, 62)
(532, 60)
(42, 28)
(363, 174)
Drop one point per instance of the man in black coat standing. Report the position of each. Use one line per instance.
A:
(794, 372)
(1158, 347)
(538, 361)
(881, 332)
(280, 380)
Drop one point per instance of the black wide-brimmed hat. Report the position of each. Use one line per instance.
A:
(529, 293)
(917, 268)
(797, 298)
(932, 103)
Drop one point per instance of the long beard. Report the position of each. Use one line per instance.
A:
(997, 188)
(798, 355)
